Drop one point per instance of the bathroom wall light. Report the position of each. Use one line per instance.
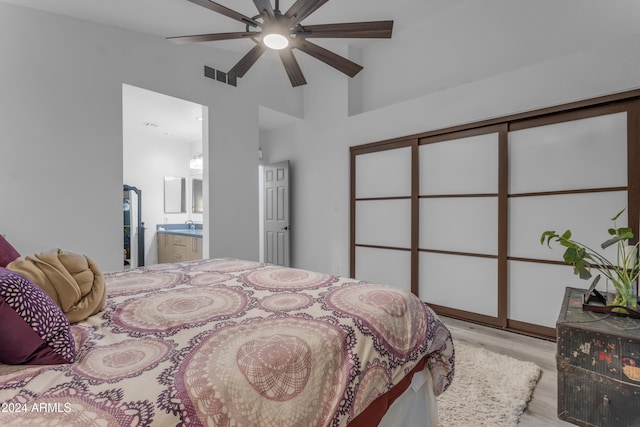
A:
(196, 161)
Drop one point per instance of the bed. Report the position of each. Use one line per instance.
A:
(230, 342)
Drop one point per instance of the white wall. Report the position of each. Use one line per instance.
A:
(194, 148)
(441, 48)
(318, 147)
(319, 170)
(61, 113)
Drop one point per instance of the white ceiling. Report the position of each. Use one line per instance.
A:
(163, 116)
(160, 116)
(167, 18)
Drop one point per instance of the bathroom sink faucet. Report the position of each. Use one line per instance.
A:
(191, 225)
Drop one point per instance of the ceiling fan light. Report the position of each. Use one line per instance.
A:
(275, 41)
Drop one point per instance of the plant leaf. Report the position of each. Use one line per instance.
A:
(620, 235)
(617, 215)
(625, 231)
(581, 269)
(577, 256)
(548, 235)
(573, 255)
(568, 244)
(610, 242)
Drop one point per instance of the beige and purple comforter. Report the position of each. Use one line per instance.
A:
(227, 342)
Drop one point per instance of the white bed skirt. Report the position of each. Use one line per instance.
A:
(417, 406)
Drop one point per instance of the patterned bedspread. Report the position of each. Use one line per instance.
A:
(228, 342)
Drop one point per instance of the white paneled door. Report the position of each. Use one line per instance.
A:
(276, 214)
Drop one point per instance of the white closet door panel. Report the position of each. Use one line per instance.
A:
(462, 282)
(586, 153)
(384, 223)
(384, 266)
(587, 215)
(461, 166)
(384, 173)
(468, 224)
(536, 291)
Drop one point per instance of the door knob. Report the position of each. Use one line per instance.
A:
(286, 228)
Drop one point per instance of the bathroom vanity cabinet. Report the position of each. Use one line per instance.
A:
(174, 247)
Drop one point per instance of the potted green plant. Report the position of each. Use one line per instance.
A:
(622, 275)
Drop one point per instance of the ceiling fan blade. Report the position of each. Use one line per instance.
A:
(303, 8)
(226, 12)
(374, 30)
(213, 37)
(264, 8)
(248, 60)
(338, 62)
(293, 68)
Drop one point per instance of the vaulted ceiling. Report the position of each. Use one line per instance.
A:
(464, 40)
(166, 18)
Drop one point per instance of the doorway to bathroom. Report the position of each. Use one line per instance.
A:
(163, 144)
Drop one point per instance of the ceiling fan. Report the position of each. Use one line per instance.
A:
(284, 32)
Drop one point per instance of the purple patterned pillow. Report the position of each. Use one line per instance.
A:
(7, 252)
(33, 329)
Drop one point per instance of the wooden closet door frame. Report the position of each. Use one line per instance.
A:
(633, 165)
(501, 194)
(628, 102)
(374, 148)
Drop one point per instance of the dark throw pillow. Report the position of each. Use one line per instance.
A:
(7, 252)
(33, 329)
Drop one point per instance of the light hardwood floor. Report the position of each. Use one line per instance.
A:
(542, 409)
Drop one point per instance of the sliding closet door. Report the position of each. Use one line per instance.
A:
(383, 205)
(458, 211)
(563, 175)
(455, 215)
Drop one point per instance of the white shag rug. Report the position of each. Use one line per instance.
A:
(488, 389)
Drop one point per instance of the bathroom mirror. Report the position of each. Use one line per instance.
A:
(196, 195)
(174, 194)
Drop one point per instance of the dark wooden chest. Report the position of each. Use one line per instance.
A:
(598, 361)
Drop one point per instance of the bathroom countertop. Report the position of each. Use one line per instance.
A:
(183, 232)
(180, 229)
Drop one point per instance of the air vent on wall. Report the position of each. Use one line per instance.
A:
(220, 76)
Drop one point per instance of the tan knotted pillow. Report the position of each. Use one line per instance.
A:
(73, 281)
